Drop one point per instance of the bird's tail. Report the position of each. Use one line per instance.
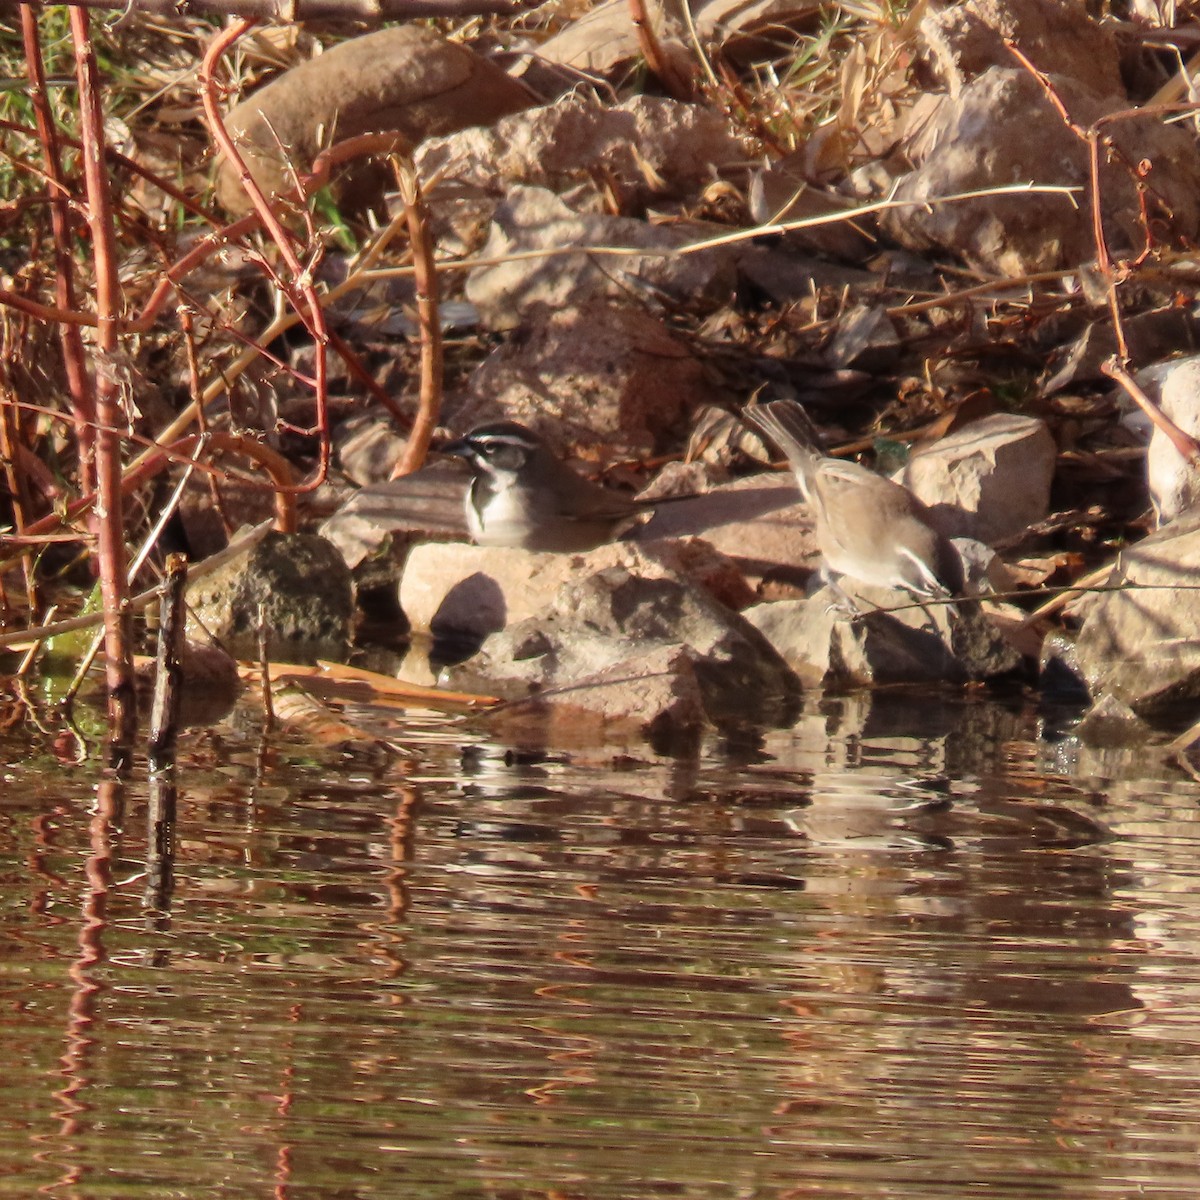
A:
(791, 429)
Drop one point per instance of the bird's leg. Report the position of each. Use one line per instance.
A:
(843, 603)
(921, 597)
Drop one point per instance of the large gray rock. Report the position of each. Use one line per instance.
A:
(1174, 482)
(655, 694)
(727, 541)
(407, 78)
(759, 522)
(614, 617)
(646, 147)
(1001, 129)
(579, 369)
(297, 583)
(989, 480)
(465, 593)
(895, 642)
(1058, 36)
(1139, 644)
(518, 279)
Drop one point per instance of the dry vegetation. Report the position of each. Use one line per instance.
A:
(236, 344)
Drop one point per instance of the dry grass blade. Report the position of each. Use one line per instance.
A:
(299, 711)
(751, 234)
(354, 683)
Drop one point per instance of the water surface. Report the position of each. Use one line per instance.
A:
(909, 949)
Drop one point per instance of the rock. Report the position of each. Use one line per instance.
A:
(758, 522)
(574, 371)
(1139, 644)
(593, 623)
(1173, 481)
(406, 79)
(602, 39)
(428, 503)
(1111, 722)
(1002, 129)
(296, 582)
(204, 522)
(376, 529)
(684, 479)
(534, 219)
(647, 148)
(989, 480)
(366, 448)
(786, 278)
(657, 693)
(1059, 677)
(465, 593)
(825, 646)
(984, 570)
(1057, 36)
(1149, 335)
(595, 42)
(866, 340)
(210, 684)
(725, 541)
(697, 560)
(781, 191)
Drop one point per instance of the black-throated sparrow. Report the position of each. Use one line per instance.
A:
(867, 527)
(522, 495)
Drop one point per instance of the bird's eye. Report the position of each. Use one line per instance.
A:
(505, 456)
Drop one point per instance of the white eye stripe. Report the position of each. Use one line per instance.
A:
(497, 441)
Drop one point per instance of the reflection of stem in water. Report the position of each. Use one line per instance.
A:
(160, 852)
(403, 827)
(43, 839)
(285, 1094)
(82, 1009)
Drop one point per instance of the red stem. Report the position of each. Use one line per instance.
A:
(432, 360)
(300, 290)
(110, 532)
(79, 386)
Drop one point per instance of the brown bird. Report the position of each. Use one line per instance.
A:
(867, 527)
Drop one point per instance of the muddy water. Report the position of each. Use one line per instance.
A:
(906, 950)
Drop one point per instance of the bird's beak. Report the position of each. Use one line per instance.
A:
(459, 448)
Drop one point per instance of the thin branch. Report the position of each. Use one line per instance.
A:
(428, 320)
(301, 291)
(1096, 140)
(291, 11)
(168, 666)
(149, 464)
(701, 57)
(668, 72)
(79, 385)
(110, 526)
(1187, 445)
